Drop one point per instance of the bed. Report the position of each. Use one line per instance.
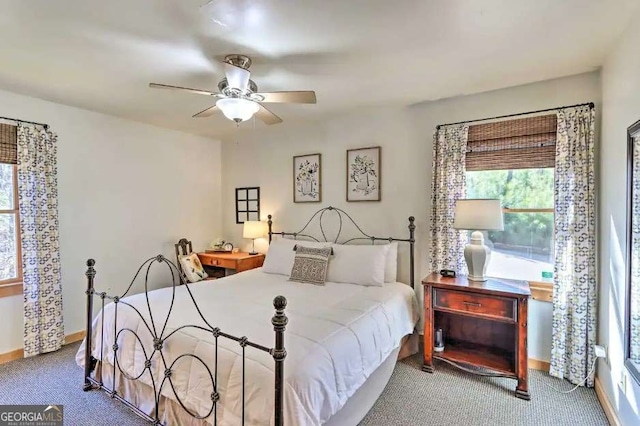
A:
(179, 355)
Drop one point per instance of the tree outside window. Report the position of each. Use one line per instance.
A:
(524, 250)
(10, 268)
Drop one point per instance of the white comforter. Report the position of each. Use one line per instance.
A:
(338, 334)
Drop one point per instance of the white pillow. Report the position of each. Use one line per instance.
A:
(391, 267)
(358, 264)
(280, 256)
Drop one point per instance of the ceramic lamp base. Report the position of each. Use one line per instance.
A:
(477, 256)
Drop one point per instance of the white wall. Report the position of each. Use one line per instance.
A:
(265, 159)
(621, 108)
(127, 191)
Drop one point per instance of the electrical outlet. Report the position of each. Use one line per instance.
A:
(600, 351)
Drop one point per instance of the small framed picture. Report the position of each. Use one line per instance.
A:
(307, 178)
(363, 174)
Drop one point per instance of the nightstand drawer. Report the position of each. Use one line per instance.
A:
(481, 305)
(220, 263)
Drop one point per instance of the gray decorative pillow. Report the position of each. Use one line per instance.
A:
(310, 265)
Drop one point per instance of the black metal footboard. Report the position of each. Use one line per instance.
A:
(160, 336)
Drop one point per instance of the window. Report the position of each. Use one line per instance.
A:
(524, 250)
(514, 161)
(632, 326)
(10, 255)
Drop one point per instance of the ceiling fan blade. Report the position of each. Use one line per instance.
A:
(299, 97)
(186, 89)
(206, 112)
(267, 117)
(237, 78)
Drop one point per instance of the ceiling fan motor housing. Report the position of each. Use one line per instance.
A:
(223, 87)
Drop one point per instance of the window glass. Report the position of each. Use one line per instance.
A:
(6, 187)
(518, 189)
(524, 250)
(8, 249)
(8, 230)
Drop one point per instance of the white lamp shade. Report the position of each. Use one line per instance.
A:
(237, 109)
(254, 229)
(480, 215)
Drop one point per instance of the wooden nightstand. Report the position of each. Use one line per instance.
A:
(238, 262)
(484, 324)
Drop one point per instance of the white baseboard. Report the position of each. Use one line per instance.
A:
(609, 411)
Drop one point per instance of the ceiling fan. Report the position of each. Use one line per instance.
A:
(238, 97)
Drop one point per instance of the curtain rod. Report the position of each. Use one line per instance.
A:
(590, 104)
(46, 126)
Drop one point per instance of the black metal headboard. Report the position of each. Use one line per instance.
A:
(342, 215)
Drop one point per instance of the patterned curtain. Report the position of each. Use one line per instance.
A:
(38, 198)
(574, 290)
(448, 185)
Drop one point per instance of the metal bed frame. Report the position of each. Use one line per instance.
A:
(342, 218)
(279, 322)
(160, 335)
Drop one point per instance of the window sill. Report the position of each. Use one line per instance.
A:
(541, 291)
(11, 289)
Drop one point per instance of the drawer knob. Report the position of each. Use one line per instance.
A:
(473, 304)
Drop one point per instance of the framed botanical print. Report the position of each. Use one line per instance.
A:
(307, 178)
(363, 174)
(247, 204)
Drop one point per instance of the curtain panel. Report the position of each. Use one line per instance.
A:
(448, 185)
(38, 198)
(575, 297)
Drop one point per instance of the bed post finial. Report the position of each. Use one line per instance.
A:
(412, 242)
(279, 322)
(91, 273)
(270, 223)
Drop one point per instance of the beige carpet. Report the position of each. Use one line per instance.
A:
(412, 397)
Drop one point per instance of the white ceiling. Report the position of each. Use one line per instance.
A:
(100, 55)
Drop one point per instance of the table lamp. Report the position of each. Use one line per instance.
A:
(478, 215)
(254, 229)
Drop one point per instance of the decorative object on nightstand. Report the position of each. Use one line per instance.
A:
(482, 325)
(478, 215)
(220, 246)
(439, 344)
(254, 229)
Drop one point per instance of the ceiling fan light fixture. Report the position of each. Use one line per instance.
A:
(237, 109)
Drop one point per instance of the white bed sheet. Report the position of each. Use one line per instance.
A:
(338, 334)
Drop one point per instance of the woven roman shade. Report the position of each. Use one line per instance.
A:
(8, 144)
(524, 143)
